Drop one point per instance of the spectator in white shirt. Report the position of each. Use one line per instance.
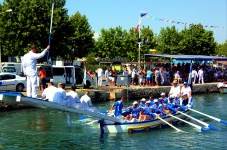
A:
(107, 76)
(201, 75)
(175, 90)
(194, 75)
(99, 72)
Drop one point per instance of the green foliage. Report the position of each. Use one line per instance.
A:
(168, 40)
(197, 41)
(222, 49)
(29, 24)
(81, 42)
(91, 59)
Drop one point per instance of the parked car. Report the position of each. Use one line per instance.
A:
(10, 81)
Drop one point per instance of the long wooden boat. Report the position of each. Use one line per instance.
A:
(113, 127)
(108, 124)
(223, 90)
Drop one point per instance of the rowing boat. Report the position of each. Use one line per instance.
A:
(134, 126)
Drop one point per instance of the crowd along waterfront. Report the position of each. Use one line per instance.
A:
(48, 129)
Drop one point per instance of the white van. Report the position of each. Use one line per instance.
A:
(71, 75)
(12, 67)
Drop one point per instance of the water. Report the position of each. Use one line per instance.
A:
(48, 129)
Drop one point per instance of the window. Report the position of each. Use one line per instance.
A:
(9, 69)
(58, 71)
(7, 77)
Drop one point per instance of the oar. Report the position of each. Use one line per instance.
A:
(214, 118)
(201, 122)
(192, 124)
(179, 130)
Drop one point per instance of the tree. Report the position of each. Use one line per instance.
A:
(197, 41)
(168, 40)
(110, 44)
(81, 41)
(29, 24)
(222, 49)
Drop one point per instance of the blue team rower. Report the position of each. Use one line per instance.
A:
(118, 107)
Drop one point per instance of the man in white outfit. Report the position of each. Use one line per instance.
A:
(201, 75)
(175, 90)
(86, 102)
(49, 92)
(29, 65)
(74, 98)
(194, 75)
(107, 76)
(60, 95)
(99, 72)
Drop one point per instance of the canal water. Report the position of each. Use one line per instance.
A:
(48, 129)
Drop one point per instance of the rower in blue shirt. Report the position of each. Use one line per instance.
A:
(135, 111)
(118, 107)
(163, 98)
(151, 99)
(143, 102)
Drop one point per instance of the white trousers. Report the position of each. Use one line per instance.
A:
(107, 80)
(99, 81)
(32, 86)
(201, 79)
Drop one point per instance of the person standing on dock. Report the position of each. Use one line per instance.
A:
(107, 76)
(99, 72)
(29, 65)
(201, 75)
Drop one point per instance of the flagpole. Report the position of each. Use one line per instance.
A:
(139, 42)
(142, 14)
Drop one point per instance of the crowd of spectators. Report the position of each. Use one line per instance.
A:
(165, 74)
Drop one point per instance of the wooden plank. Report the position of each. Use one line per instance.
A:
(34, 101)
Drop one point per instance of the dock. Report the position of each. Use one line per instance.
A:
(111, 93)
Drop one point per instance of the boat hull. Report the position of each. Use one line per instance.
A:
(223, 90)
(110, 127)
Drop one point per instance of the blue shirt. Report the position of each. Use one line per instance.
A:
(118, 108)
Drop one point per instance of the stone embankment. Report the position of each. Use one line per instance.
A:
(106, 93)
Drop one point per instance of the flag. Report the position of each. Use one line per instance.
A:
(142, 14)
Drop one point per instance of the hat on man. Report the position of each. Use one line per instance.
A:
(155, 100)
(163, 94)
(135, 102)
(143, 100)
(175, 82)
(185, 82)
(148, 102)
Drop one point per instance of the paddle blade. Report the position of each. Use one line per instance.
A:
(224, 122)
(212, 127)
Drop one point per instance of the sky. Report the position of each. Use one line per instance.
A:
(125, 13)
